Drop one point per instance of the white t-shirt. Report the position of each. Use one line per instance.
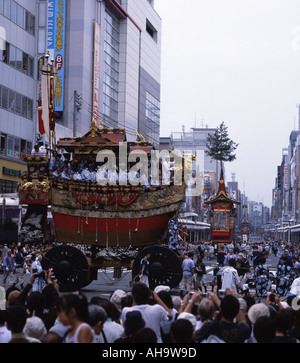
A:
(153, 315)
(230, 279)
(5, 335)
(112, 331)
(295, 288)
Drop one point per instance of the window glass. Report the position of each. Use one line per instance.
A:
(2, 48)
(10, 145)
(25, 63)
(23, 146)
(5, 53)
(29, 22)
(24, 108)
(13, 11)
(17, 148)
(12, 56)
(19, 104)
(19, 59)
(20, 16)
(28, 148)
(32, 24)
(29, 109)
(30, 66)
(11, 100)
(3, 141)
(7, 8)
(4, 96)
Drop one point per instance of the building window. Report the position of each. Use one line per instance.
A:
(152, 118)
(7, 8)
(16, 103)
(29, 23)
(18, 15)
(17, 59)
(4, 97)
(3, 140)
(12, 146)
(13, 11)
(7, 186)
(12, 56)
(11, 100)
(151, 30)
(111, 69)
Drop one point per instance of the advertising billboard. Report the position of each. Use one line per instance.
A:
(56, 46)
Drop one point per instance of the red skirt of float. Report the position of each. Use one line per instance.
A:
(110, 232)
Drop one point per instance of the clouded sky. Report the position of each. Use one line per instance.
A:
(236, 61)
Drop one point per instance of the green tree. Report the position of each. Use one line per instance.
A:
(219, 146)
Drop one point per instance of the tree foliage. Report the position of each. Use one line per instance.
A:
(219, 146)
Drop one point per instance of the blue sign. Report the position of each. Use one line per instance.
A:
(59, 52)
(56, 46)
(50, 28)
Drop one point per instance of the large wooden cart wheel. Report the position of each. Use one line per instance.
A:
(164, 267)
(70, 267)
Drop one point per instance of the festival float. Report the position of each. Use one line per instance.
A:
(222, 215)
(99, 223)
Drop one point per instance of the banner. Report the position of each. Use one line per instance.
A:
(56, 46)
(96, 72)
(59, 52)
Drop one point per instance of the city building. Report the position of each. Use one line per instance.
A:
(111, 65)
(108, 58)
(18, 42)
(194, 142)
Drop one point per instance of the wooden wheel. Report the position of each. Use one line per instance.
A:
(164, 267)
(70, 267)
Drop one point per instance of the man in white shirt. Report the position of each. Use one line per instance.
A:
(230, 277)
(295, 287)
(5, 334)
(42, 150)
(153, 315)
(35, 151)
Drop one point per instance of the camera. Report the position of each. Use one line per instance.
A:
(221, 293)
(272, 297)
(40, 274)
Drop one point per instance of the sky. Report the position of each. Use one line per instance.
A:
(236, 61)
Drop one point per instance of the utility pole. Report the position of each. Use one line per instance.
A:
(77, 108)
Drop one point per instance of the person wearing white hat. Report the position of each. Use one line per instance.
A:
(116, 298)
(258, 310)
(35, 328)
(188, 316)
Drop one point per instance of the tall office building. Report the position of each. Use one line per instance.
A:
(108, 57)
(111, 55)
(18, 44)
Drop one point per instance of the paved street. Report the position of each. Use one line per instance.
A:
(105, 285)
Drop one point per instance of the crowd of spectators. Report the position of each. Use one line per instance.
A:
(44, 315)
